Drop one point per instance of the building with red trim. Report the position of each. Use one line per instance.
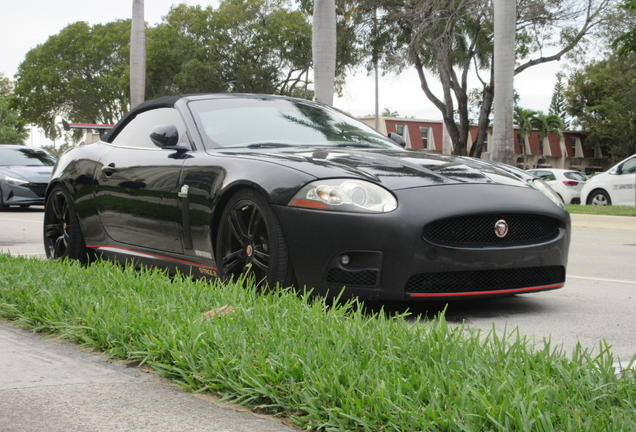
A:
(567, 152)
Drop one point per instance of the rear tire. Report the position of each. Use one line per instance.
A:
(250, 241)
(599, 197)
(3, 206)
(63, 236)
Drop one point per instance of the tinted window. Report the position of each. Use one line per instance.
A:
(25, 157)
(575, 175)
(137, 132)
(242, 122)
(543, 175)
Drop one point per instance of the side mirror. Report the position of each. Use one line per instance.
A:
(165, 136)
(397, 139)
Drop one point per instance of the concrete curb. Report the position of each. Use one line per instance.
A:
(627, 223)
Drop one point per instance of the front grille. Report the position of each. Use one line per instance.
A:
(339, 276)
(485, 280)
(38, 188)
(479, 230)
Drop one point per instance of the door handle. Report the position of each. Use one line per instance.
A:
(109, 169)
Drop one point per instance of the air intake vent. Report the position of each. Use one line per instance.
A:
(485, 280)
(368, 278)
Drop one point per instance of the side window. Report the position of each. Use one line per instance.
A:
(629, 167)
(545, 175)
(137, 132)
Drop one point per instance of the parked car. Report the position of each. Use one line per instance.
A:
(567, 183)
(24, 174)
(297, 193)
(613, 187)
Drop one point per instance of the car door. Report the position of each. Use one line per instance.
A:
(137, 196)
(623, 183)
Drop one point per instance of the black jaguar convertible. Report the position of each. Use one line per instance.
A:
(297, 193)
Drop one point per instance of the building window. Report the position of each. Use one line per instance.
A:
(424, 133)
(400, 130)
(573, 142)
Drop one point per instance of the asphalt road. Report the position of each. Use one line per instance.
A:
(597, 303)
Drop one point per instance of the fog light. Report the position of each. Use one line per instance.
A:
(345, 259)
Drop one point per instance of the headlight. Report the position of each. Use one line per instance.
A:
(345, 195)
(15, 181)
(549, 192)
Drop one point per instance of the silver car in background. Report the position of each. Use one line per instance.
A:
(25, 173)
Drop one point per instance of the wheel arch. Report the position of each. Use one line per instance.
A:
(590, 195)
(223, 199)
(66, 184)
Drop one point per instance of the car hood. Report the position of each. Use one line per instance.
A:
(33, 174)
(394, 169)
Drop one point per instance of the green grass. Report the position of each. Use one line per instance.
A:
(326, 368)
(601, 210)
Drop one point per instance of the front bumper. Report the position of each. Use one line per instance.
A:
(389, 259)
(26, 194)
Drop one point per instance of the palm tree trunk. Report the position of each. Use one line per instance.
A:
(324, 49)
(504, 56)
(137, 55)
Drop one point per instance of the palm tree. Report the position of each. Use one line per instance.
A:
(523, 119)
(547, 123)
(324, 49)
(504, 59)
(137, 55)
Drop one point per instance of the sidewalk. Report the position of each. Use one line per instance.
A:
(52, 385)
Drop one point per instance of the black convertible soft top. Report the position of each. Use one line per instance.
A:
(161, 102)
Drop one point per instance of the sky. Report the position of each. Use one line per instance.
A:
(26, 23)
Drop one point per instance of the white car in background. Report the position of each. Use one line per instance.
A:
(613, 187)
(567, 183)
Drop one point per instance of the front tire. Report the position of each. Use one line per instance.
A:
(599, 197)
(63, 236)
(250, 241)
(3, 206)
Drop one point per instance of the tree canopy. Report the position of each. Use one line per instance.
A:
(80, 74)
(12, 126)
(601, 99)
(251, 46)
(626, 43)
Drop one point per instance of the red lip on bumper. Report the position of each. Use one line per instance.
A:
(480, 293)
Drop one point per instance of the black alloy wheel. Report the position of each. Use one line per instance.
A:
(62, 232)
(250, 241)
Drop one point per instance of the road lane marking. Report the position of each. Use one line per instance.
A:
(22, 220)
(601, 279)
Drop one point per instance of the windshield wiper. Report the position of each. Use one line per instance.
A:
(269, 145)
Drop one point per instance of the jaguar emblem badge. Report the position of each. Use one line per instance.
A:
(501, 228)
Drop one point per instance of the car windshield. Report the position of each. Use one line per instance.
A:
(270, 123)
(25, 157)
(575, 175)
